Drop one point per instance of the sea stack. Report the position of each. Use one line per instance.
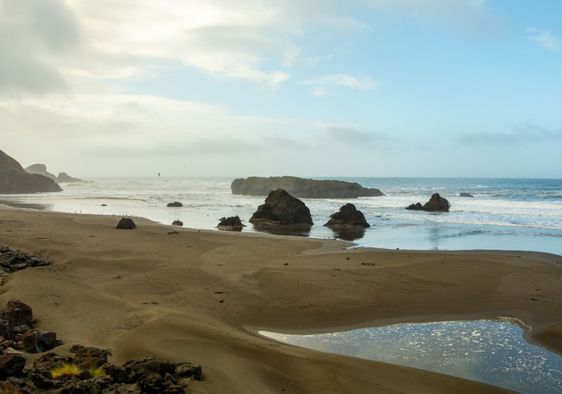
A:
(232, 223)
(348, 216)
(435, 204)
(14, 179)
(282, 209)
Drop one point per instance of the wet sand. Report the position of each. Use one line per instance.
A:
(202, 295)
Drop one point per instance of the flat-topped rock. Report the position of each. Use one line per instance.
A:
(282, 209)
(303, 188)
(348, 216)
(14, 179)
(63, 177)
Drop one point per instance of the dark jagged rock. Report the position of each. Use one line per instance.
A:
(126, 224)
(348, 216)
(36, 341)
(14, 179)
(303, 188)
(175, 204)
(40, 169)
(11, 260)
(177, 223)
(232, 223)
(435, 204)
(17, 313)
(11, 365)
(63, 177)
(282, 209)
(415, 207)
(466, 195)
(89, 357)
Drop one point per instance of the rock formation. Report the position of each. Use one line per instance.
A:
(232, 223)
(465, 195)
(126, 224)
(65, 178)
(178, 223)
(303, 188)
(175, 204)
(348, 216)
(41, 169)
(435, 204)
(15, 260)
(282, 209)
(14, 179)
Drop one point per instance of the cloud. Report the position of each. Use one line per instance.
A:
(355, 137)
(544, 38)
(34, 38)
(319, 92)
(524, 133)
(341, 80)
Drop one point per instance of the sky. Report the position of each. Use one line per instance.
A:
(436, 88)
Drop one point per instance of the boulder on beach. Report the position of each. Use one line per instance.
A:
(303, 188)
(178, 223)
(435, 204)
(175, 204)
(126, 224)
(14, 179)
(465, 195)
(282, 209)
(231, 223)
(347, 216)
(17, 313)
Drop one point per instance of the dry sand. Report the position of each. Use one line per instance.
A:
(201, 296)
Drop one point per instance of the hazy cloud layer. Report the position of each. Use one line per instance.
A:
(523, 133)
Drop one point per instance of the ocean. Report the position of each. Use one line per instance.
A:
(504, 214)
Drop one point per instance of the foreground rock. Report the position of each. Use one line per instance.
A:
(232, 223)
(89, 371)
(282, 209)
(348, 216)
(303, 188)
(18, 332)
(126, 224)
(14, 179)
(435, 204)
(175, 204)
(15, 260)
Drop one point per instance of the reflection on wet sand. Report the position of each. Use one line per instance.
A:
(299, 231)
(348, 234)
(17, 204)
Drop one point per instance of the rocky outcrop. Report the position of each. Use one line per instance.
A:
(14, 179)
(466, 195)
(63, 177)
(88, 371)
(348, 216)
(15, 260)
(282, 209)
(175, 204)
(178, 223)
(232, 223)
(126, 224)
(435, 204)
(303, 188)
(41, 169)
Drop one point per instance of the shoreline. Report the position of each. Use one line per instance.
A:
(183, 277)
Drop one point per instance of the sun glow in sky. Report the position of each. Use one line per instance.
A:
(311, 87)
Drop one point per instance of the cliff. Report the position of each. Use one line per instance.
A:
(14, 179)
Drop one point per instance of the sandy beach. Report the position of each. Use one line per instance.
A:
(202, 295)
